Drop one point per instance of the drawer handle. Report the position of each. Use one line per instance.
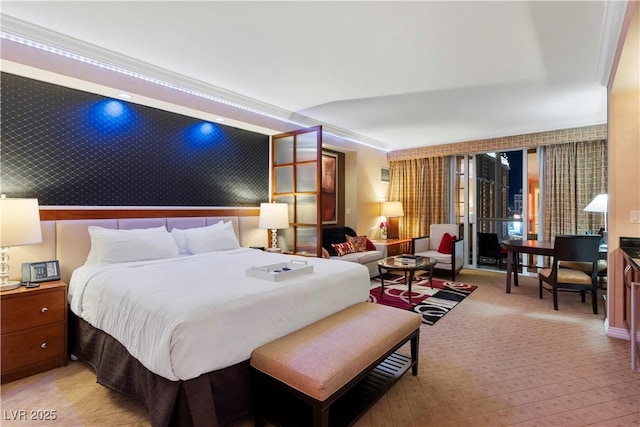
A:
(43, 345)
(44, 310)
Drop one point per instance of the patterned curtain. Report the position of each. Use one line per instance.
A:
(420, 184)
(574, 174)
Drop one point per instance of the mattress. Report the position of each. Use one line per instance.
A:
(186, 316)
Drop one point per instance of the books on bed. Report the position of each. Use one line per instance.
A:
(280, 271)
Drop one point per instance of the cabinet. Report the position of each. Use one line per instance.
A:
(34, 330)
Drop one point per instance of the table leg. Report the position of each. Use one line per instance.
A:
(431, 277)
(409, 283)
(509, 270)
(516, 257)
(381, 281)
(634, 325)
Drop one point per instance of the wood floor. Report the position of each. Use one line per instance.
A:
(494, 360)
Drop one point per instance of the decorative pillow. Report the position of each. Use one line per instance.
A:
(325, 253)
(110, 246)
(344, 248)
(370, 246)
(446, 243)
(217, 237)
(359, 242)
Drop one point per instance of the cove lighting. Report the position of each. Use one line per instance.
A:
(116, 69)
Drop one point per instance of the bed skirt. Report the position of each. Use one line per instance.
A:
(212, 399)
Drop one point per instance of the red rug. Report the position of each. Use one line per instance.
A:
(431, 304)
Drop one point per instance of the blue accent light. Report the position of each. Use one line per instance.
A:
(111, 117)
(202, 134)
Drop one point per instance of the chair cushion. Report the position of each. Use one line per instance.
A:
(436, 231)
(369, 256)
(568, 276)
(321, 358)
(359, 242)
(370, 246)
(439, 257)
(583, 266)
(446, 244)
(344, 248)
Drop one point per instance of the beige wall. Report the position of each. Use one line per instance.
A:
(364, 189)
(624, 161)
(624, 189)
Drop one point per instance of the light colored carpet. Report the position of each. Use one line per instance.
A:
(496, 360)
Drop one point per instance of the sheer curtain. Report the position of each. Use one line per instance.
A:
(574, 174)
(421, 186)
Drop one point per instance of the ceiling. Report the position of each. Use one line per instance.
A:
(393, 75)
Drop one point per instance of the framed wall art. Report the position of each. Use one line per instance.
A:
(329, 189)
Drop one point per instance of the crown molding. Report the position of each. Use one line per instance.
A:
(611, 30)
(56, 43)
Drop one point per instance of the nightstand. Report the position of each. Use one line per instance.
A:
(396, 246)
(34, 330)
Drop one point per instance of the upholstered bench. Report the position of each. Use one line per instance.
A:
(332, 371)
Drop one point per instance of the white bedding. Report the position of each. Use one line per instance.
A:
(185, 316)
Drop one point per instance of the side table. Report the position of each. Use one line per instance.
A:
(395, 246)
(34, 330)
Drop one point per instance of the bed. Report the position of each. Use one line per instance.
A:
(176, 331)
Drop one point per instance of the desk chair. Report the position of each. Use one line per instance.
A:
(573, 248)
(489, 247)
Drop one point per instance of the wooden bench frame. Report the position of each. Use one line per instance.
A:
(284, 405)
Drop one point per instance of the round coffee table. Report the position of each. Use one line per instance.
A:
(395, 263)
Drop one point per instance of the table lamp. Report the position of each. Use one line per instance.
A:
(274, 216)
(392, 211)
(19, 225)
(599, 204)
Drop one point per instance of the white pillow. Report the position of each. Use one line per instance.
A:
(217, 237)
(110, 246)
(181, 241)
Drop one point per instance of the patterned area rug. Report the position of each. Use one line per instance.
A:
(432, 304)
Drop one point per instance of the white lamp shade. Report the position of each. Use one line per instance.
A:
(19, 222)
(274, 215)
(392, 209)
(598, 204)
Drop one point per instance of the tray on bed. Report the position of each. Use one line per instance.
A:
(280, 271)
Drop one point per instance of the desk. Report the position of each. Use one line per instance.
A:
(531, 247)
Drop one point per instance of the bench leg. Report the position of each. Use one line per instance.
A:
(415, 341)
(320, 415)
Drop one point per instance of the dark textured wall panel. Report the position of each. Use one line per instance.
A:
(68, 147)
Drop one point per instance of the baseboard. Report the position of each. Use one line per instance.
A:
(621, 333)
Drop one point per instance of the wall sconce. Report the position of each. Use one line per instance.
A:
(19, 225)
(392, 211)
(274, 216)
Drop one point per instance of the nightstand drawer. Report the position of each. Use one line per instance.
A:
(35, 310)
(35, 345)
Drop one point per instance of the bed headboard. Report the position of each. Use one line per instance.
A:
(68, 241)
